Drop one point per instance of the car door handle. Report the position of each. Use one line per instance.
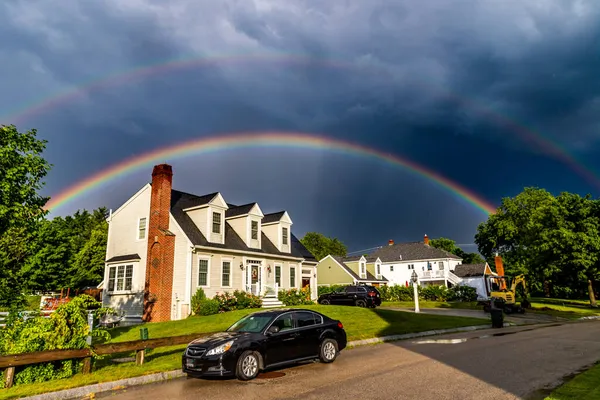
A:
(292, 337)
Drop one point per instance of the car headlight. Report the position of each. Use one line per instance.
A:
(220, 349)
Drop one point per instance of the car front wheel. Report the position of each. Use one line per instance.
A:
(325, 302)
(329, 351)
(247, 366)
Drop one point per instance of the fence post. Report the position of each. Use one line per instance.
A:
(87, 362)
(10, 377)
(141, 354)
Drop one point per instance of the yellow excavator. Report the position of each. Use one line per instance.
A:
(503, 294)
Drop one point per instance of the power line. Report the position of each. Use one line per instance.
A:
(360, 251)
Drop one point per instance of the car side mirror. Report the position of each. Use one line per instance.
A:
(272, 329)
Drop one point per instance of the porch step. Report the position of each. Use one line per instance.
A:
(271, 302)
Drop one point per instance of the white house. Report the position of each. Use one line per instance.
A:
(164, 244)
(476, 276)
(433, 266)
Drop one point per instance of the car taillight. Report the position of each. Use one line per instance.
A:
(340, 325)
(372, 294)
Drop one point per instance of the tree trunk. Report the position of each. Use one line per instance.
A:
(591, 293)
(546, 289)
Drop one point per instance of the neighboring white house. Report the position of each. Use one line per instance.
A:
(164, 244)
(433, 266)
(476, 276)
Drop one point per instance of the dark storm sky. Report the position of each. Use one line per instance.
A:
(478, 91)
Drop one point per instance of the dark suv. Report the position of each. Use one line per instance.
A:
(355, 295)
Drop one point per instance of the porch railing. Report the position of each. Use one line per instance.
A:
(433, 274)
(270, 290)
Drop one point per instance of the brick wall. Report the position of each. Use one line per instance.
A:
(161, 249)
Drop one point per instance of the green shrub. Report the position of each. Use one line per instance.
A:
(196, 299)
(433, 293)
(462, 293)
(329, 289)
(295, 297)
(66, 328)
(208, 307)
(238, 300)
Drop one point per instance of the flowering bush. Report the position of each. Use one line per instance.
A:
(295, 297)
(238, 300)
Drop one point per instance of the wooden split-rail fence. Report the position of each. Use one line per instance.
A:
(9, 362)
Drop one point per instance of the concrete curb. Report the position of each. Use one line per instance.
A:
(588, 318)
(86, 391)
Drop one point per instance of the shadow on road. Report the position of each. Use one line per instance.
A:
(527, 361)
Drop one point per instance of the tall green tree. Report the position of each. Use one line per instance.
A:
(321, 246)
(554, 241)
(450, 246)
(22, 170)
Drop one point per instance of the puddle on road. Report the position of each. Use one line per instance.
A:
(270, 375)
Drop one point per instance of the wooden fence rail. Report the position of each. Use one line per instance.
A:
(9, 362)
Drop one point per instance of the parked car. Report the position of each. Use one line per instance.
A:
(353, 295)
(265, 340)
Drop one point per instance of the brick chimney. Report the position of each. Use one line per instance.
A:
(426, 240)
(391, 242)
(161, 249)
(500, 270)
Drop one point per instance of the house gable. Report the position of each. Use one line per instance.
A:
(246, 221)
(277, 227)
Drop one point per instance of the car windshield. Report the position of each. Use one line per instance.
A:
(251, 323)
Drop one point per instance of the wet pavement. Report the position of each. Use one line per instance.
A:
(517, 319)
(496, 364)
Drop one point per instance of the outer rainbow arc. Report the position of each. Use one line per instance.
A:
(262, 139)
(549, 146)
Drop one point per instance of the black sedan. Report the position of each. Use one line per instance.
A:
(265, 339)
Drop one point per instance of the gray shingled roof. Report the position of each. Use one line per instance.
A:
(370, 259)
(273, 217)
(235, 211)
(411, 251)
(125, 257)
(469, 270)
(370, 277)
(181, 200)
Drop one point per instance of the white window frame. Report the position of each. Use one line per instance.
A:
(363, 267)
(207, 259)
(116, 268)
(293, 275)
(212, 225)
(278, 266)
(252, 222)
(137, 232)
(391, 268)
(377, 270)
(285, 239)
(230, 261)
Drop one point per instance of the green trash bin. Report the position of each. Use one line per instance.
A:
(144, 333)
(497, 318)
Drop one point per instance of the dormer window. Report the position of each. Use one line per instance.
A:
(284, 235)
(378, 269)
(363, 269)
(254, 229)
(216, 222)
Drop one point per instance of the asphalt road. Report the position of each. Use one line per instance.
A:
(518, 319)
(510, 363)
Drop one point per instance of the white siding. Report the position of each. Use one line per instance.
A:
(272, 231)
(122, 240)
(216, 237)
(182, 247)
(200, 218)
(285, 248)
(240, 226)
(402, 274)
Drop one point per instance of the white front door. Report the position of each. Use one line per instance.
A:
(254, 279)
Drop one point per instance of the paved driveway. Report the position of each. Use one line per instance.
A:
(518, 319)
(509, 363)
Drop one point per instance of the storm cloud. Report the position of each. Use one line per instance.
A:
(469, 88)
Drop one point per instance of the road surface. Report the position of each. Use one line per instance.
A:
(510, 363)
(517, 319)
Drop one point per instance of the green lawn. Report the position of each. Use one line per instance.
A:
(585, 386)
(360, 323)
(574, 310)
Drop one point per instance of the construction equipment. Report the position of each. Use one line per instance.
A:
(503, 294)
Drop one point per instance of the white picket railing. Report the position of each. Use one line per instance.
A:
(4, 315)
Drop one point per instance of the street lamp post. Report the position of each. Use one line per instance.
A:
(414, 278)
